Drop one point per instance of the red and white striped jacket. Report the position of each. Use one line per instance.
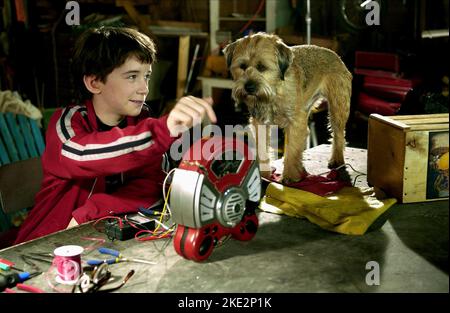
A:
(78, 157)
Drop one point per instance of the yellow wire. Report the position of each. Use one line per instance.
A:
(164, 209)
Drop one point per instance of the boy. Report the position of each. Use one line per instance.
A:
(105, 157)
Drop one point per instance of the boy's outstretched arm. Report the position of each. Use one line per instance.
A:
(75, 152)
(189, 111)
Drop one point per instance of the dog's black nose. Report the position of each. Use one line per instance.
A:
(250, 86)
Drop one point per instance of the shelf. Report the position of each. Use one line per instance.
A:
(266, 16)
(242, 19)
(175, 32)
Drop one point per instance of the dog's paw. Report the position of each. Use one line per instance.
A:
(289, 179)
(335, 163)
(266, 174)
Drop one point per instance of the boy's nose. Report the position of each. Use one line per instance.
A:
(143, 87)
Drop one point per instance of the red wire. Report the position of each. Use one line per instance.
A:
(260, 7)
(108, 217)
(151, 237)
(261, 4)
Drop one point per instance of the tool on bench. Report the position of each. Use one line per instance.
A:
(118, 258)
(8, 265)
(11, 280)
(42, 257)
(39, 256)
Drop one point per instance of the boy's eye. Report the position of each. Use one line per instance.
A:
(132, 77)
(147, 77)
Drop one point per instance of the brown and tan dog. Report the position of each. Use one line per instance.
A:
(280, 84)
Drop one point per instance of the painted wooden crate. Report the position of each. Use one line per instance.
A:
(408, 156)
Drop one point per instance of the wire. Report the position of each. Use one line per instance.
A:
(167, 232)
(250, 21)
(356, 177)
(341, 166)
(97, 242)
(105, 218)
(166, 198)
(164, 189)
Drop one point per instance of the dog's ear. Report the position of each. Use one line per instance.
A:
(285, 57)
(228, 51)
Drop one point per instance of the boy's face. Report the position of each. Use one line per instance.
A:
(124, 91)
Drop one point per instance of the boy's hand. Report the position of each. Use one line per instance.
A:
(189, 111)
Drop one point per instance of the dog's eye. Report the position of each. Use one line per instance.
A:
(243, 66)
(261, 67)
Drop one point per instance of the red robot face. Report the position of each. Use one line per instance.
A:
(214, 196)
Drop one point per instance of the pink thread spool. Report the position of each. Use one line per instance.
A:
(68, 264)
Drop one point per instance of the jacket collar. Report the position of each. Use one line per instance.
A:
(91, 114)
(93, 118)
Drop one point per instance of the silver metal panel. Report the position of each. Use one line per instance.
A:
(182, 196)
(253, 184)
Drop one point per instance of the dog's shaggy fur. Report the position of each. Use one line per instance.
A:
(280, 84)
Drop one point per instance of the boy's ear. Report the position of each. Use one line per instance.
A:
(92, 84)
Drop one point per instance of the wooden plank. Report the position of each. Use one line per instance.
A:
(26, 132)
(37, 135)
(415, 117)
(137, 18)
(415, 168)
(388, 120)
(18, 138)
(429, 127)
(8, 139)
(386, 157)
(213, 26)
(4, 158)
(178, 24)
(430, 120)
(120, 3)
(415, 122)
(183, 60)
(131, 10)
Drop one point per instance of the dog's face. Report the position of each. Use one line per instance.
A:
(258, 63)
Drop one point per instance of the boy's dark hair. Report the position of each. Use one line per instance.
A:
(98, 51)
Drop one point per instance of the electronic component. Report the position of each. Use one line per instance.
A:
(123, 230)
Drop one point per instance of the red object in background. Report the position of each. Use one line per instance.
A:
(388, 88)
(369, 105)
(377, 63)
(383, 88)
(20, 11)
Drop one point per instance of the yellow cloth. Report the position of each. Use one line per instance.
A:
(349, 211)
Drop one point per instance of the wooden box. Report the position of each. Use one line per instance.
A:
(408, 156)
